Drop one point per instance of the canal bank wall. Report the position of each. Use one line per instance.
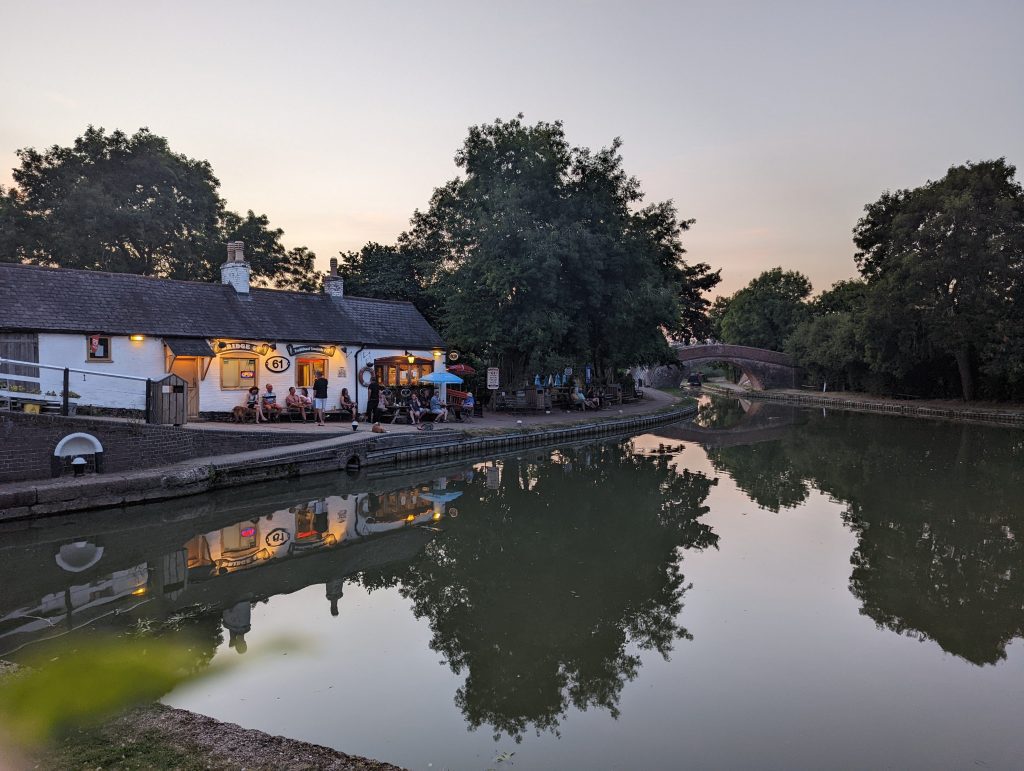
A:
(882, 406)
(43, 498)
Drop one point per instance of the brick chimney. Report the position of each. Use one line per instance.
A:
(334, 284)
(236, 270)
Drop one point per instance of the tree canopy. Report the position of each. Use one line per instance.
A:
(543, 254)
(948, 257)
(128, 203)
(765, 312)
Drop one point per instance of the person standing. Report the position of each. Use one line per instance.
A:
(320, 398)
(372, 401)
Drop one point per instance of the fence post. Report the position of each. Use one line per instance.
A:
(67, 387)
(149, 400)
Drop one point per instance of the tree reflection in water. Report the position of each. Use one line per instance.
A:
(557, 571)
(938, 509)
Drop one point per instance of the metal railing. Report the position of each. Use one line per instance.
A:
(6, 394)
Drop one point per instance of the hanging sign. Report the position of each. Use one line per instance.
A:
(568, 371)
(225, 346)
(326, 350)
(277, 364)
(453, 355)
(492, 378)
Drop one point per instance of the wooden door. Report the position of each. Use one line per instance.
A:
(187, 368)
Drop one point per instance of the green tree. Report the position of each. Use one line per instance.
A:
(128, 203)
(389, 273)
(830, 344)
(765, 312)
(542, 254)
(947, 260)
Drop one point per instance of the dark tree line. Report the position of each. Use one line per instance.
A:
(543, 254)
(938, 309)
(128, 203)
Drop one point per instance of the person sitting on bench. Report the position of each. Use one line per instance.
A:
(439, 411)
(252, 404)
(294, 402)
(578, 399)
(415, 409)
(270, 405)
(347, 405)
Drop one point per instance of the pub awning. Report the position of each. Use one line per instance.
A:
(189, 346)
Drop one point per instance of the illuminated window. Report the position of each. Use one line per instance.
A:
(238, 373)
(97, 348)
(306, 369)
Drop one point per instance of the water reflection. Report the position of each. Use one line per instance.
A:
(75, 588)
(543, 579)
(557, 570)
(937, 509)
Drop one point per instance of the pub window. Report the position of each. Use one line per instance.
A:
(397, 372)
(19, 346)
(237, 373)
(306, 369)
(97, 348)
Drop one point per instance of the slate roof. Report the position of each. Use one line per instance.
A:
(59, 300)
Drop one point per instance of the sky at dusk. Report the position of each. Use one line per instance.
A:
(771, 124)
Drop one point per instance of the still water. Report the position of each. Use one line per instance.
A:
(764, 587)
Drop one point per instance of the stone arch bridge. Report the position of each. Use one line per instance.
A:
(764, 369)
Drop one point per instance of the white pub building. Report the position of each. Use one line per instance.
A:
(222, 339)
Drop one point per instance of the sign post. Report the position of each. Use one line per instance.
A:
(492, 378)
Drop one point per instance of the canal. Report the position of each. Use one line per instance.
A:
(764, 586)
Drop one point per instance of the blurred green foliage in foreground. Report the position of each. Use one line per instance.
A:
(88, 683)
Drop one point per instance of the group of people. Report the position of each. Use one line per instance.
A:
(265, 407)
(589, 401)
(378, 401)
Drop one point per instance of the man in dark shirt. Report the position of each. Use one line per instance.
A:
(372, 401)
(320, 398)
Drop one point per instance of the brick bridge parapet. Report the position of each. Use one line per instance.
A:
(764, 368)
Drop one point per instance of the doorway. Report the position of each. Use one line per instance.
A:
(187, 368)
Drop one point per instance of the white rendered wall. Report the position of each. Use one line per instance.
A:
(212, 398)
(146, 359)
(98, 388)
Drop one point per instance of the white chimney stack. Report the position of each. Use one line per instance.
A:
(334, 284)
(235, 270)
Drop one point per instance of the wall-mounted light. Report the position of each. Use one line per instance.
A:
(438, 354)
(409, 357)
(136, 338)
(261, 349)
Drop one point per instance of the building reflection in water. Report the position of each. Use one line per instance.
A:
(170, 579)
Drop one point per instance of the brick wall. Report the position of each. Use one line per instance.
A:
(27, 443)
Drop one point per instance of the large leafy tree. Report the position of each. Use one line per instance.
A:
(389, 273)
(765, 312)
(543, 254)
(128, 203)
(945, 262)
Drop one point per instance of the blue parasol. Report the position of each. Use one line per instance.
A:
(441, 377)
